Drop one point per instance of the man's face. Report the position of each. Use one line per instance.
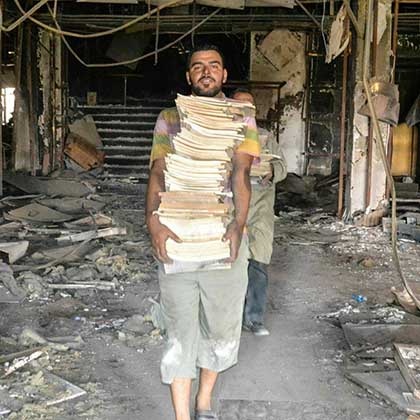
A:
(206, 74)
(244, 97)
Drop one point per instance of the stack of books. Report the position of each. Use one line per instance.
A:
(197, 203)
(263, 168)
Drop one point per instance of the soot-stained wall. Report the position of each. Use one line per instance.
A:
(280, 56)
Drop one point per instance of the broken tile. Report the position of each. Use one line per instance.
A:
(35, 212)
(48, 186)
(72, 205)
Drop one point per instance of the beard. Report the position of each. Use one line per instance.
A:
(210, 93)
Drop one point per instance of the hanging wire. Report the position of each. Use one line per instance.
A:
(322, 27)
(25, 16)
(157, 37)
(193, 22)
(55, 8)
(97, 34)
(134, 60)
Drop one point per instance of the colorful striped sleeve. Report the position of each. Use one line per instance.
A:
(161, 137)
(251, 144)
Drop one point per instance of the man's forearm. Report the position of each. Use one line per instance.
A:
(241, 188)
(155, 186)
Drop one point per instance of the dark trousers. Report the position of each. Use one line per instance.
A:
(256, 296)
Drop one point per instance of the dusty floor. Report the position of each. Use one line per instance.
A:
(295, 373)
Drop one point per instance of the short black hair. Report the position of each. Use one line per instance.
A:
(242, 90)
(205, 47)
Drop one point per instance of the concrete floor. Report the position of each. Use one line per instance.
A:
(290, 375)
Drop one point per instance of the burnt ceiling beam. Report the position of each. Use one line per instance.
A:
(407, 22)
(179, 23)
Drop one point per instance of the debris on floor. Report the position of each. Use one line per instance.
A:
(66, 263)
(382, 336)
(384, 342)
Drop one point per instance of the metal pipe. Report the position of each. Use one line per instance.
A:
(379, 142)
(353, 19)
(157, 37)
(394, 53)
(305, 109)
(395, 33)
(341, 173)
(373, 56)
(309, 14)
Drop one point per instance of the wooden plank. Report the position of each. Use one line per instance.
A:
(408, 360)
(12, 356)
(83, 153)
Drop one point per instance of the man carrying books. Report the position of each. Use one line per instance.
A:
(261, 225)
(202, 310)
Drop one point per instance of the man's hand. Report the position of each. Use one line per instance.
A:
(267, 179)
(159, 234)
(234, 235)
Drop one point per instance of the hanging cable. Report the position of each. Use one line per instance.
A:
(157, 37)
(322, 27)
(55, 8)
(308, 13)
(382, 153)
(97, 34)
(193, 22)
(26, 15)
(134, 60)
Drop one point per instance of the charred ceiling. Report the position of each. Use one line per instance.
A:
(89, 18)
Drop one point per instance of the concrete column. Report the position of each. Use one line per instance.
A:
(359, 158)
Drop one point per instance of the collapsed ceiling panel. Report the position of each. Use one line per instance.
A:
(227, 4)
(232, 4)
(162, 2)
(270, 3)
(109, 1)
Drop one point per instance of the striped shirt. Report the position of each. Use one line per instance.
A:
(168, 126)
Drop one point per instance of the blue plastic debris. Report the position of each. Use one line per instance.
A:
(359, 298)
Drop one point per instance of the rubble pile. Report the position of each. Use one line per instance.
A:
(66, 261)
(380, 325)
(384, 344)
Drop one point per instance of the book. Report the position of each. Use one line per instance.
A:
(263, 168)
(196, 205)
